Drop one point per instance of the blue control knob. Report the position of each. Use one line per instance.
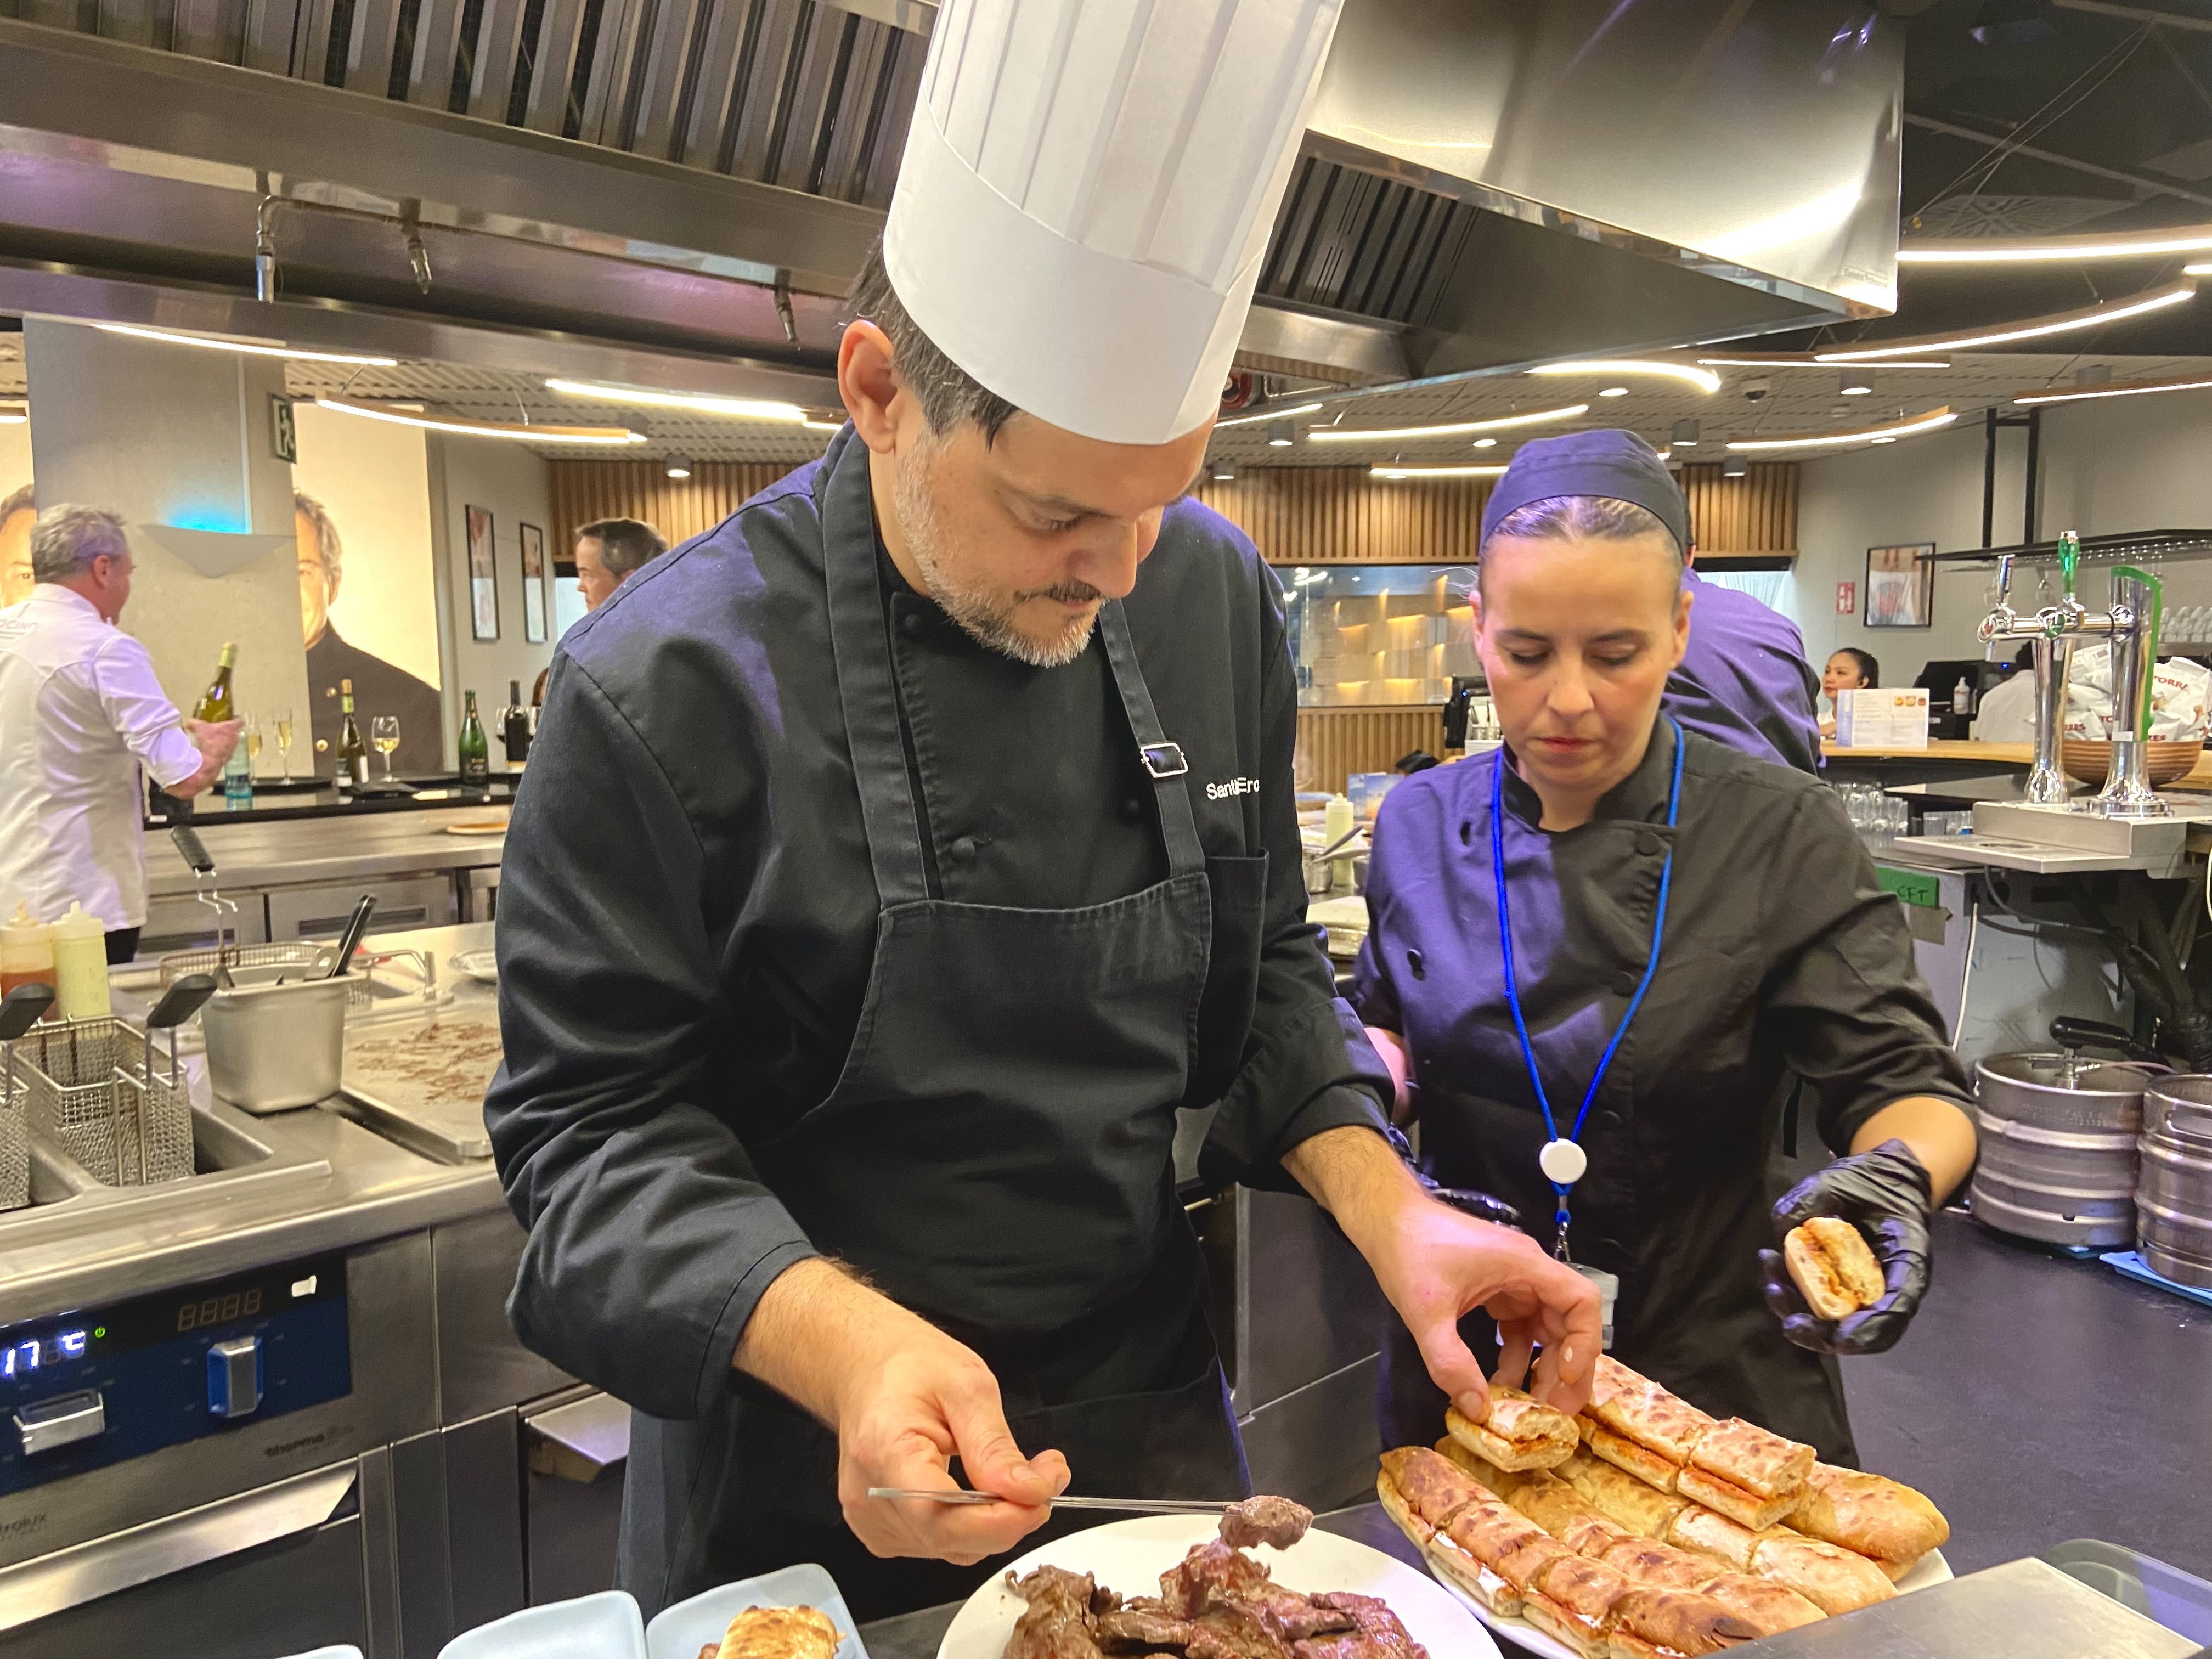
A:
(233, 1377)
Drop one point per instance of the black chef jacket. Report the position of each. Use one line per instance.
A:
(687, 909)
(1782, 950)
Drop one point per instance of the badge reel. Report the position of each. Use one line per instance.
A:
(1565, 1163)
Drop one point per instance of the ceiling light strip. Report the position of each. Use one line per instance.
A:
(462, 425)
(1860, 435)
(165, 338)
(1704, 378)
(743, 409)
(1337, 434)
(1268, 414)
(1807, 360)
(1434, 471)
(2111, 389)
(2033, 328)
(2013, 251)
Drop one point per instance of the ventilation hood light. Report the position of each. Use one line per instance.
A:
(1704, 378)
(464, 427)
(1885, 432)
(743, 409)
(1340, 434)
(164, 336)
(2032, 328)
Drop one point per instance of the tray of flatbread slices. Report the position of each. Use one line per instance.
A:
(1646, 1530)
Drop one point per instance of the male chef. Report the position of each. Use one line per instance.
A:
(903, 852)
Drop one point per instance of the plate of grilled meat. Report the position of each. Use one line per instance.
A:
(1257, 1585)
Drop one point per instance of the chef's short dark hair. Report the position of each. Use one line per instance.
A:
(948, 393)
(22, 501)
(1580, 519)
(625, 544)
(1869, 670)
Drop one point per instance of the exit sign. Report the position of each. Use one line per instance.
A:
(1847, 598)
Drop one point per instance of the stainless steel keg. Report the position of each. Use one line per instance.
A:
(2059, 1155)
(2173, 1205)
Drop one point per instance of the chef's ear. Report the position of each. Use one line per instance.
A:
(868, 381)
(1683, 601)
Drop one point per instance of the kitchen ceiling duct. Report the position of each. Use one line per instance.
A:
(675, 192)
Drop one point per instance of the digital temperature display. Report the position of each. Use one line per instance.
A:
(35, 1354)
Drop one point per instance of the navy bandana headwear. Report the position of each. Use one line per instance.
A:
(1617, 464)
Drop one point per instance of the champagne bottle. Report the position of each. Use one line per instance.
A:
(353, 753)
(215, 702)
(514, 726)
(476, 753)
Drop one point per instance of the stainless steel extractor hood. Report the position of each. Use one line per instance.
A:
(677, 191)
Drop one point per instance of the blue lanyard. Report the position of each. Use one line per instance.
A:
(1512, 979)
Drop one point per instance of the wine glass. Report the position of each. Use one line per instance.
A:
(253, 743)
(384, 737)
(284, 740)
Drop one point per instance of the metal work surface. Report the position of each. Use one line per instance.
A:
(253, 855)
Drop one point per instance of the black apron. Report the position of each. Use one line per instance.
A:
(995, 1155)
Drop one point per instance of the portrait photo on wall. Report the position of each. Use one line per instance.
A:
(484, 581)
(533, 584)
(18, 511)
(1900, 587)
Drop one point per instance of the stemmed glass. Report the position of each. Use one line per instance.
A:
(284, 740)
(253, 743)
(384, 737)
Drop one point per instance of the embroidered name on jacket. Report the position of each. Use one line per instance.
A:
(1234, 786)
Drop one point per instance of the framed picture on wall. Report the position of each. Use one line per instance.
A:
(483, 579)
(1900, 587)
(533, 584)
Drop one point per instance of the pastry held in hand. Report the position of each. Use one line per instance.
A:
(1832, 1267)
(1520, 1433)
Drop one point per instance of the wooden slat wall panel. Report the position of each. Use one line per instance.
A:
(1296, 514)
(678, 507)
(1334, 743)
(1755, 514)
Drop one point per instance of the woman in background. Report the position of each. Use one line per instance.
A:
(1849, 670)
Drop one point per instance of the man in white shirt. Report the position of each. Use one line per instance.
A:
(2008, 710)
(80, 714)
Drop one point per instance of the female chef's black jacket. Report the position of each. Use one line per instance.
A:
(687, 907)
(1782, 953)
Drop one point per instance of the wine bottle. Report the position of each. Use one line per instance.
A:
(514, 726)
(215, 703)
(353, 753)
(476, 752)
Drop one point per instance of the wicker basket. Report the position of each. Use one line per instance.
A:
(2087, 760)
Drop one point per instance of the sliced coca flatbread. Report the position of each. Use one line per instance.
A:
(1758, 1460)
(1638, 1458)
(1871, 1514)
(1620, 1496)
(1772, 1607)
(1830, 1576)
(1746, 1509)
(1652, 1565)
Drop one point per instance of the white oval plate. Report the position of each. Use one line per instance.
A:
(1130, 1556)
(1930, 1568)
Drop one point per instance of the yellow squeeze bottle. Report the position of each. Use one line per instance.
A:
(80, 965)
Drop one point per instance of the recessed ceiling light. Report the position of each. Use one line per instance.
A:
(2028, 328)
(1280, 435)
(1735, 467)
(1266, 414)
(1685, 435)
(1334, 434)
(1856, 383)
(1614, 391)
(1486, 443)
(460, 424)
(745, 409)
(244, 348)
(679, 466)
(1887, 432)
(1704, 378)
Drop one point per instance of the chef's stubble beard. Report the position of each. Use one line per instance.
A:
(986, 616)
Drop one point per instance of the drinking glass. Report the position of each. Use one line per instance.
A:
(252, 742)
(284, 740)
(384, 737)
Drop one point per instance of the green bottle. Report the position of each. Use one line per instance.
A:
(476, 752)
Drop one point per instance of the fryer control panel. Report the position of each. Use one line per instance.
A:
(82, 1391)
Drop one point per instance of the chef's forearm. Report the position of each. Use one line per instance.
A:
(817, 1327)
(1939, 1132)
(1358, 1177)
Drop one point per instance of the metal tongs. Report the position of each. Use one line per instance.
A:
(1123, 1505)
(195, 853)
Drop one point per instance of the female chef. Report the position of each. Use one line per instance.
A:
(1593, 955)
(1849, 670)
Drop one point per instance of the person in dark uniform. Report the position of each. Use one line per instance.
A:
(379, 687)
(1592, 953)
(899, 856)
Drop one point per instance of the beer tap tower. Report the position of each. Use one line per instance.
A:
(2131, 625)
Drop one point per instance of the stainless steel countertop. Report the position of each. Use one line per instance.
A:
(249, 855)
(110, 1243)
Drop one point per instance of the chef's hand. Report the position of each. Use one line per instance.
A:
(1437, 1265)
(905, 1399)
(215, 740)
(1885, 1193)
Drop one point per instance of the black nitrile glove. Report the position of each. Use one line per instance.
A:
(1884, 1195)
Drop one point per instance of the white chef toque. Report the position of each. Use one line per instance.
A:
(1087, 193)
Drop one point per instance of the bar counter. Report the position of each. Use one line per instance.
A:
(1948, 759)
